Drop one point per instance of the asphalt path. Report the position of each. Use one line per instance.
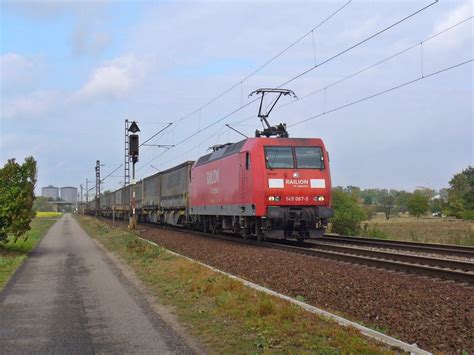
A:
(69, 298)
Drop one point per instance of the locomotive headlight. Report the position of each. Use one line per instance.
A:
(274, 198)
(271, 198)
(318, 198)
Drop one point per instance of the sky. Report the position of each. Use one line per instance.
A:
(71, 72)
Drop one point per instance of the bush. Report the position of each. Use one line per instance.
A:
(347, 213)
(369, 211)
(418, 204)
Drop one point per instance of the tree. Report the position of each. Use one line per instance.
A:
(418, 204)
(388, 203)
(41, 204)
(347, 213)
(436, 205)
(401, 201)
(17, 185)
(461, 193)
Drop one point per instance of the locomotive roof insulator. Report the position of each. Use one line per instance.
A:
(268, 131)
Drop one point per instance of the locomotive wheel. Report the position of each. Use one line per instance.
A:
(245, 233)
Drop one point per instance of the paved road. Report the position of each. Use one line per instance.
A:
(68, 297)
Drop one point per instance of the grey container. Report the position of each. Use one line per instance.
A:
(151, 191)
(118, 197)
(125, 191)
(175, 186)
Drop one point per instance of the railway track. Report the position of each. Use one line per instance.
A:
(439, 249)
(434, 267)
(447, 269)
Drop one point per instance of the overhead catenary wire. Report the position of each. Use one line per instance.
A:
(113, 171)
(333, 57)
(371, 66)
(351, 103)
(393, 88)
(359, 43)
(248, 76)
(157, 133)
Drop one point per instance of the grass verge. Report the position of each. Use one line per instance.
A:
(425, 230)
(13, 254)
(225, 315)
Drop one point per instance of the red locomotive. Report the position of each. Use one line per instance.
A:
(278, 187)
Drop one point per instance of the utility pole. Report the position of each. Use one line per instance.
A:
(87, 191)
(97, 187)
(133, 154)
(126, 178)
(81, 202)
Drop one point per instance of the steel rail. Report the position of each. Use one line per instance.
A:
(409, 258)
(374, 260)
(432, 271)
(444, 249)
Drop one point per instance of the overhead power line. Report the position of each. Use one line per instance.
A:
(157, 133)
(371, 66)
(248, 76)
(348, 104)
(305, 71)
(383, 92)
(113, 171)
(359, 43)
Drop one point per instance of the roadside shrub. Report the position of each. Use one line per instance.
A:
(347, 213)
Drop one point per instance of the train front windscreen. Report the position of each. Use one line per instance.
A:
(294, 157)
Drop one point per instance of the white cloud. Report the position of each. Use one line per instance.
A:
(458, 37)
(85, 41)
(18, 71)
(47, 10)
(114, 79)
(33, 105)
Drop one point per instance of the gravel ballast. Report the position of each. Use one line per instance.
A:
(436, 315)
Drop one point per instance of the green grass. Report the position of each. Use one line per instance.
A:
(426, 230)
(48, 214)
(13, 254)
(225, 315)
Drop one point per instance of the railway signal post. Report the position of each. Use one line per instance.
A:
(133, 156)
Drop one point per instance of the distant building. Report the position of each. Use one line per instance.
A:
(69, 194)
(50, 192)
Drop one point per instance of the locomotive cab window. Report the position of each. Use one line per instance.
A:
(279, 157)
(309, 158)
